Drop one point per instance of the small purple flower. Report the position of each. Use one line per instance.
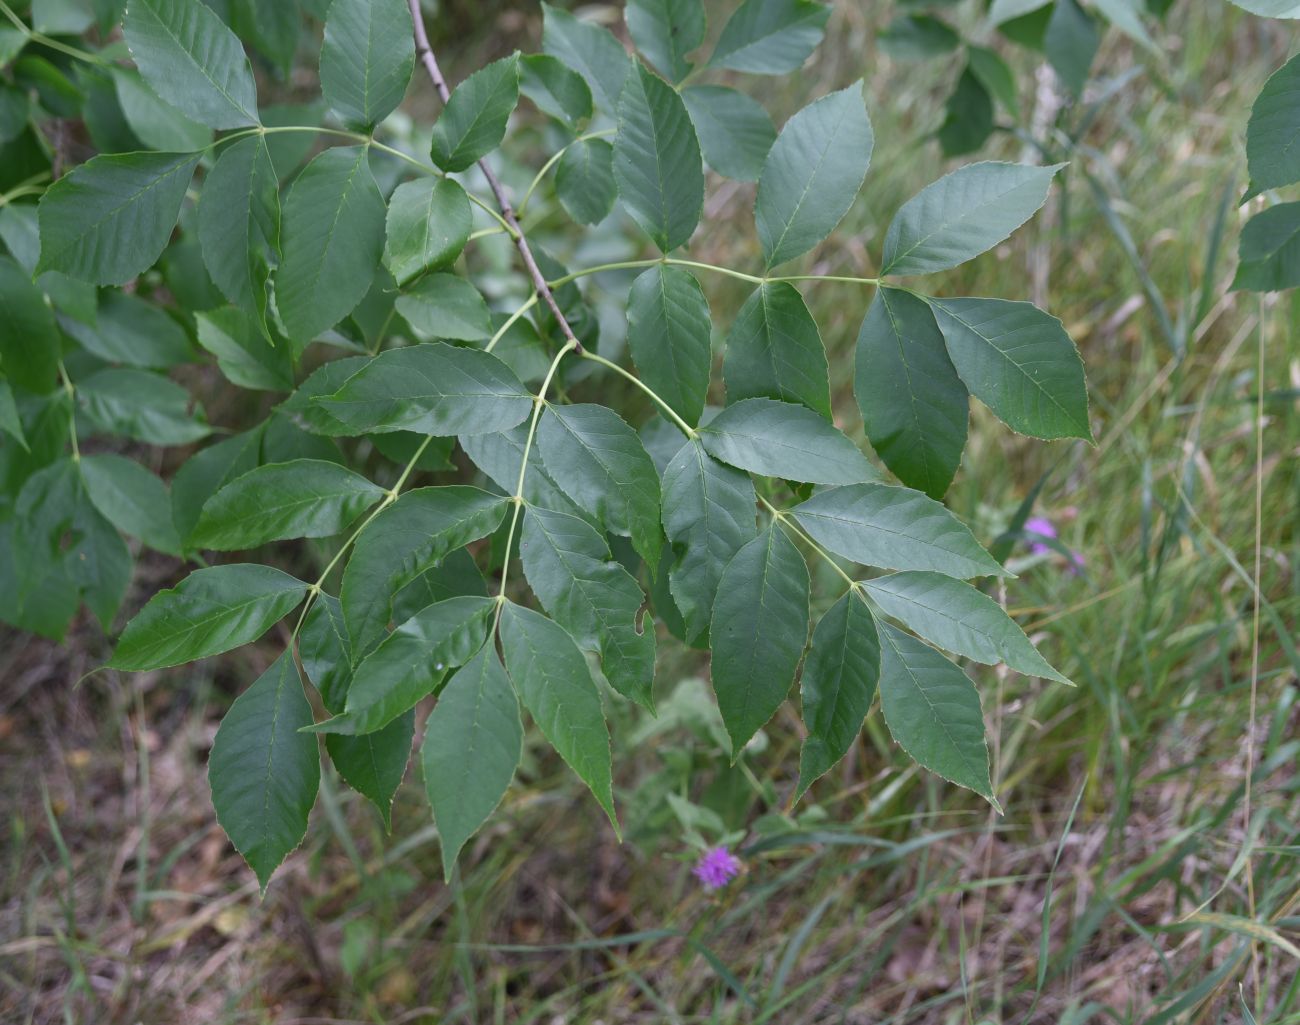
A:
(716, 867)
(1042, 527)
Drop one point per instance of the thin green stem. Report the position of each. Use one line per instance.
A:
(711, 267)
(874, 282)
(783, 518)
(72, 410)
(501, 331)
(389, 498)
(537, 179)
(682, 425)
(44, 40)
(539, 403)
(18, 193)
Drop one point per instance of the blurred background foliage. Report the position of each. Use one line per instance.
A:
(1139, 874)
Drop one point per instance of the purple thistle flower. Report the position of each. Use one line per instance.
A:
(716, 867)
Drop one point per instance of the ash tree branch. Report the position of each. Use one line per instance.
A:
(430, 62)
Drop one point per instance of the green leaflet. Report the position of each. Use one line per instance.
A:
(373, 764)
(210, 611)
(108, 220)
(708, 514)
(158, 124)
(431, 389)
(63, 552)
(129, 330)
(29, 336)
(589, 49)
(1269, 251)
(600, 463)
(898, 528)
(410, 662)
(471, 747)
(333, 239)
(10, 422)
(1071, 43)
(770, 37)
(657, 163)
(244, 355)
(914, 406)
(917, 37)
(473, 122)
(812, 174)
(409, 537)
(131, 498)
(302, 498)
(141, 405)
(264, 773)
(239, 224)
(933, 710)
(1270, 8)
(584, 180)
(458, 574)
(556, 88)
(775, 351)
(962, 215)
(996, 76)
(302, 408)
(1005, 10)
(596, 600)
(428, 225)
(366, 59)
(445, 306)
(1273, 132)
(666, 31)
(1019, 362)
(838, 685)
(554, 683)
(781, 439)
(326, 651)
(668, 332)
(968, 116)
(758, 633)
(959, 618)
(206, 471)
(499, 456)
(192, 60)
(735, 132)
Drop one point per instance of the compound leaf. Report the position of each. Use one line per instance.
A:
(770, 37)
